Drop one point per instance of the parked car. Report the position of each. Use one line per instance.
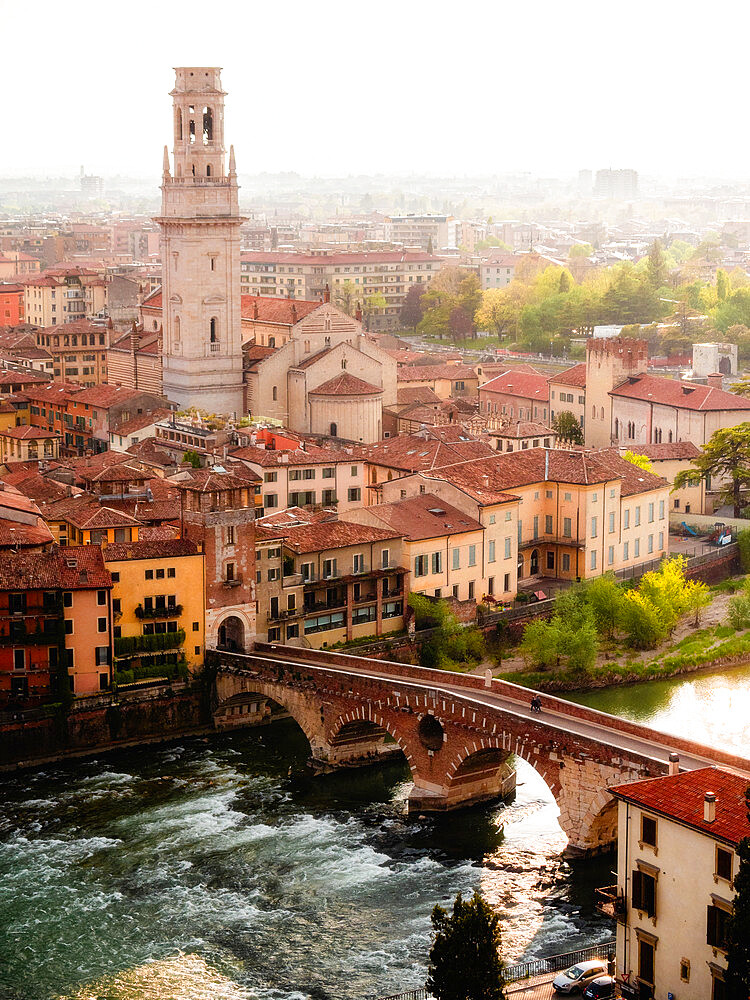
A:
(577, 977)
(603, 988)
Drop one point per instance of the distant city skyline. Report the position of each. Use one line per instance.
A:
(335, 90)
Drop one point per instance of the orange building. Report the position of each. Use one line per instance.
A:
(11, 305)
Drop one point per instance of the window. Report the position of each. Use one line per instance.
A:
(328, 472)
(355, 469)
(566, 562)
(723, 864)
(567, 527)
(274, 574)
(507, 548)
(593, 559)
(626, 518)
(567, 497)
(69, 626)
(685, 970)
(149, 574)
(171, 570)
(492, 518)
(610, 555)
(230, 539)
(115, 578)
(67, 599)
(490, 552)
(456, 559)
(420, 566)
(160, 574)
(472, 555)
(646, 958)
(102, 656)
(437, 562)
(611, 522)
(308, 572)
(594, 527)
(229, 574)
(550, 559)
(19, 659)
(650, 512)
(354, 494)
(548, 524)
(637, 516)
(196, 626)
(272, 477)
(101, 624)
(359, 563)
(650, 543)
(292, 631)
(717, 923)
(385, 558)
(636, 548)
(329, 569)
(471, 590)
(509, 515)
(648, 831)
(101, 597)
(625, 551)
(661, 510)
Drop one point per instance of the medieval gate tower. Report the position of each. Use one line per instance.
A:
(200, 252)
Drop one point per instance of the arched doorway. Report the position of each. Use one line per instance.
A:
(534, 562)
(725, 366)
(232, 635)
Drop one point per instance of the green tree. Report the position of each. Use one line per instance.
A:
(192, 458)
(640, 460)
(580, 250)
(567, 428)
(465, 961)
(566, 282)
(656, 268)
(411, 310)
(722, 284)
(606, 599)
(451, 642)
(697, 599)
(726, 456)
(345, 296)
(541, 645)
(666, 590)
(641, 622)
(738, 938)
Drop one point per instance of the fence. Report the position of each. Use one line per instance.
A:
(537, 967)
(702, 555)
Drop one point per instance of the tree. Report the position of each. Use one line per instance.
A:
(460, 323)
(738, 939)
(656, 267)
(722, 284)
(566, 282)
(606, 598)
(373, 303)
(411, 310)
(697, 598)
(345, 296)
(581, 250)
(641, 622)
(640, 460)
(567, 428)
(465, 961)
(540, 645)
(192, 458)
(725, 456)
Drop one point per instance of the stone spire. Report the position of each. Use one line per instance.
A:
(166, 162)
(232, 164)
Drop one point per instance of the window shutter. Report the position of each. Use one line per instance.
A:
(711, 925)
(637, 890)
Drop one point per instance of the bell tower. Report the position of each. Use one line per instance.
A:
(200, 252)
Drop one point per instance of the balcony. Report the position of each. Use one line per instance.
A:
(292, 580)
(366, 599)
(236, 581)
(611, 903)
(571, 543)
(170, 611)
(285, 615)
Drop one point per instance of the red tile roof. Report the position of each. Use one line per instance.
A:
(271, 309)
(412, 453)
(424, 516)
(680, 797)
(50, 570)
(429, 373)
(309, 456)
(515, 383)
(318, 260)
(523, 429)
(76, 326)
(345, 385)
(326, 535)
(28, 433)
(167, 548)
(672, 392)
(89, 569)
(575, 376)
(416, 394)
(137, 423)
(667, 451)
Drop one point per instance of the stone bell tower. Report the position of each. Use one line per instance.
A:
(200, 252)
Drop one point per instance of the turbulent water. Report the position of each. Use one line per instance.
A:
(203, 871)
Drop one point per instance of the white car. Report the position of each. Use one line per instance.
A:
(577, 977)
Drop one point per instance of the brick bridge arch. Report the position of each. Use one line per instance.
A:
(346, 719)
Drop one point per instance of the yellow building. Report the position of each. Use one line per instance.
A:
(28, 444)
(158, 606)
(80, 520)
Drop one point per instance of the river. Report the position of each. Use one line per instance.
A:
(200, 871)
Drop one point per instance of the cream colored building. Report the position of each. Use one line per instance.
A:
(676, 861)
(667, 460)
(28, 444)
(567, 393)
(325, 344)
(200, 250)
(442, 545)
(63, 294)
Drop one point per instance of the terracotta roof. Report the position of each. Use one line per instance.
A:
(492, 480)
(272, 309)
(257, 352)
(306, 362)
(207, 481)
(424, 516)
(293, 516)
(672, 392)
(522, 429)
(121, 473)
(28, 571)
(412, 453)
(139, 422)
(429, 373)
(666, 451)
(36, 487)
(149, 451)
(416, 394)
(158, 532)
(28, 433)
(105, 395)
(167, 548)
(16, 378)
(680, 797)
(76, 326)
(153, 300)
(93, 517)
(311, 455)
(318, 260)
(575, 376)
(327, 535)
(501, 260)
(523, 384)
(89, 569)
(345, 385)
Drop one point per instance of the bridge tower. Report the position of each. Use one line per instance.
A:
(200, 251)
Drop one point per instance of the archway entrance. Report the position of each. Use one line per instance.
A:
(232, 635)
(534, 563)
(725, 366)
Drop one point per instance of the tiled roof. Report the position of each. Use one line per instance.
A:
(139, 422)
(429, 373)
(28, 571)
(35, 487)
(575, 376)
(322, 260)
(105, 395)
(93, 517)
(292, 516)
(89, 569)
(515, 383)
(154, 299)
(278, 459)
(306, 362)
(28, 433)
(75, 326)
(672, 392)
(666, 451)
(158, 532)
(345, 385)
(416, 394)
(207, 481)
(413, 453)
(681, 796)
(490, 479)
(16, 378)
(121, 473)
(327, 535)
(424, 516)
(271, 309)
(501, 260)
(523, 429)
(167, 548)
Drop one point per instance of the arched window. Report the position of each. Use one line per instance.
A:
(670, 437)
(208, 126)
(156, 324)
(593, 412)
(343, 362)
(307, 347)
(176, 327)
(191, 110)
(214, 324)
(208, 174)
(334, 431)
(212, 259)
(178, 122)
(193, 169)
(617, 428)
(274, 394)
(602, 413)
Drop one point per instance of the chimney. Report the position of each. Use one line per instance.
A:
(674, 763)
(358, 313)
(294, 313)
(709, 807)
(715, 380)
(327, 293)
(255, 309)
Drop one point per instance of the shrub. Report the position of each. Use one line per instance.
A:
(743, 539)
(642, 622)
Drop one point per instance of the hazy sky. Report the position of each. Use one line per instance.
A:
(371, 86)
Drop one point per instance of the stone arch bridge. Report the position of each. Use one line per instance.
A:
(457, 732)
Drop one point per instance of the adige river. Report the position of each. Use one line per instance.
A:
(199, 870)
